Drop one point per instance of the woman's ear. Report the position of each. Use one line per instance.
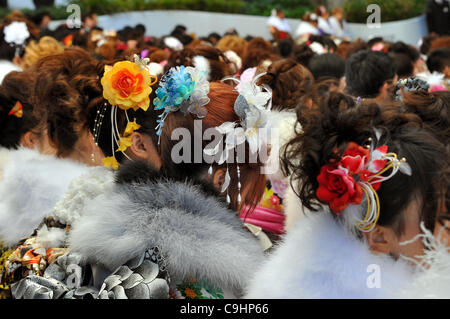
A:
(219, 178)
(382, 240)
(447, 71)
(142, 148)
(29, 140)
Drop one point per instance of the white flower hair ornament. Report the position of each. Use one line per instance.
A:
(16, 34)
(253, 107)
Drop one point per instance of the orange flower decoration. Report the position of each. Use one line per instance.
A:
(17, 110)
(127, 86)
(190, 293)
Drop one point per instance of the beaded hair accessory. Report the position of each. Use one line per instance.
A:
(344, 183)
(126, 85)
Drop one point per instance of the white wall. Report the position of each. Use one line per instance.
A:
(409, 31)
(161, 22)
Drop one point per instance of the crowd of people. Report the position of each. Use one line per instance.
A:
(133, 166)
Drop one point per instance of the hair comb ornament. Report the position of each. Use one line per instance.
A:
(358, 174)
(182, 89)
(253, 107)
(126, 85)
(17, 110)
(410, 85)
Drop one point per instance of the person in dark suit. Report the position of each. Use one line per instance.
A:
(438, 16)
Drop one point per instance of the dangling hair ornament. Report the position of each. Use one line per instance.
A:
(344, 182)
(16, 34)
(410, 85)
(17, 110)
(182, 89)
(253, 107)
(126, 85)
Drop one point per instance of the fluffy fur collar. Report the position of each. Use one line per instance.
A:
(197, 234)
(30, 187)
(318, 259)
(284, 122)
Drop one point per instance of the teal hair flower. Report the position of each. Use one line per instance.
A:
(181, 89)
(176, 86)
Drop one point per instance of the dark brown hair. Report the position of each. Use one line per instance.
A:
(289, 80)
(256, 56)
(233, 43)
(433, 109)
(67, 87)
(17, 87)
(338, 121)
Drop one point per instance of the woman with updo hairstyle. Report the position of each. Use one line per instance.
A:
(258, 57)
(289, 81)
(36, 50)
(53, 99)
(233, 43)
(19, 125)
(371, 181)
(153, 212)
(66, 88)
(220, 110)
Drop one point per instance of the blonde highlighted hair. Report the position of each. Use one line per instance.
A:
(38, 50)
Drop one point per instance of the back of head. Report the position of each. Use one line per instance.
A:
(289, 81)
(191, 131)
(259, 43)
(15, 93)
(438, 60)
(285, 47)
(403, 65)
(326, 134)
(68, 86)
(217, 64)
(401, 47)
(37, 50)
(328, 65)
(367, 71)
(440, 43)
(233, 43)
(303, 54)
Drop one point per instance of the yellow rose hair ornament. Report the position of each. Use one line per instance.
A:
(126, 85)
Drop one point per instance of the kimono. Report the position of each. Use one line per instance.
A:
(150, 237)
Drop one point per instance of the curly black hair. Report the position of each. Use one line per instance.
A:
(337, 120)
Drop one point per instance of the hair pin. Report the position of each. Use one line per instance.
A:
(17, 110)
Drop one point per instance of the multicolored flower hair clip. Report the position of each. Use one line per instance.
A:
(253, 107)
(410, 85)
(126, 85)
(182, 89)
(344, 183)
(17, 110)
